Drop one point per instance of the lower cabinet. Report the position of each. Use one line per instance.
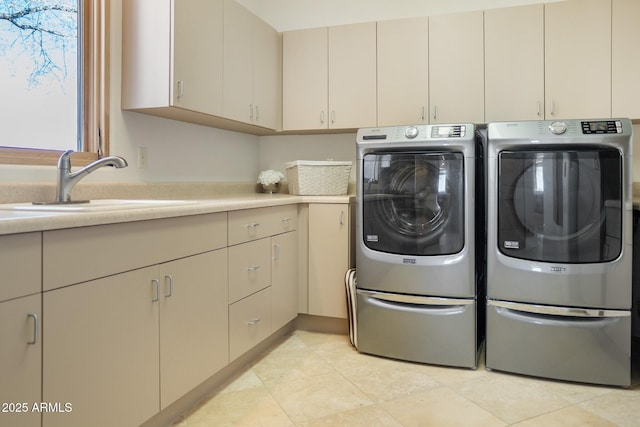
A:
(193, 322)
(20, 361)
(102, 338)
(100, 351)
(329, 233)
(284, 279)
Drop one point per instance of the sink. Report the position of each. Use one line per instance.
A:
(98, 205)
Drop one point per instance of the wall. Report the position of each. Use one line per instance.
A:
(176, 151)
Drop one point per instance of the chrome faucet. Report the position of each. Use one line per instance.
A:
(67, 179)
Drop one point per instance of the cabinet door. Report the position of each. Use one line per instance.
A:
(100, 352)
(456, 68)
(197, 55)
(20, 360)
(352, 76)
(267, 75)
(514, 63)
(328, 259)
(578, 59)
(403, 71)
(193, 322)
(304, 79)
(284, 279)
(238, 63)
(625, 67)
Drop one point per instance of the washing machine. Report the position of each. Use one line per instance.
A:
(559, 256)
(419, 215)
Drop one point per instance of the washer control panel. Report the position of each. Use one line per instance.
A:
(601, 127)
(448, 131)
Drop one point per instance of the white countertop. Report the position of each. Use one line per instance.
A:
(13, 221)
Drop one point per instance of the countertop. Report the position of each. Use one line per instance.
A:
(14, 221)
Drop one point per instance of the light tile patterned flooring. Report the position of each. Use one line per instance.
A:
(318, 379)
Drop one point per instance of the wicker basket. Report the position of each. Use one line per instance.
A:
(318, 178)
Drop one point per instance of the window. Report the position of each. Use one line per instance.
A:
(53, 57)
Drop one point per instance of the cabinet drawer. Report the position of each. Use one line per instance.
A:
(248, 224)
(284, 219)
(249, 322)
(21, 264)
(85, 253)
(253, 224)
(249, 268)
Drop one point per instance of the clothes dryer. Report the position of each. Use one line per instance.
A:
(419, 209)
(559, 253)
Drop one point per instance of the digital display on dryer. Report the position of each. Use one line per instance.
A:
(447, 131)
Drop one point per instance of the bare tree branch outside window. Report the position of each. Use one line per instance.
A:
(42, 30)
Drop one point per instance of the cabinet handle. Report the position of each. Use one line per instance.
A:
(321, 117)
(253, 225)
(156, 283)
(276, 251)
(333, 116)
(253, 322)
(251, 112)
(341, 217)
(168, 276)
(180, 89)
(257, 113)
(435, 112)
(253, 267)
(539, 110)
(34, 316)
(422, 115)
(553, 108)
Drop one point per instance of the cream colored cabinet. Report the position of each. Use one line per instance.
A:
(101, 351)
(352, 76)
(262, 274)
(578, 59)
(20, 329)
(625, 57)
(329, 234)
(403, 71)
(284, 279)
(172, 56)
(305, 77)
(20, 360)
(193, 322)
(251, 68)
(115, 322)
(456, 68)
(329, 77)
(514, 63)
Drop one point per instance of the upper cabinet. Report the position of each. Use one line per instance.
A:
(403, 71)
(305, 79)
(172, 55)
(209, 62)
(251, 68)
(625, 56)
(578, 59)
(514, 63)
(329, 77)
(456, 68)
(352, 76)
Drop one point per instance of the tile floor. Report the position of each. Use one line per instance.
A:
(315, 379)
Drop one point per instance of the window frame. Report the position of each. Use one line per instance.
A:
(94, 107)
